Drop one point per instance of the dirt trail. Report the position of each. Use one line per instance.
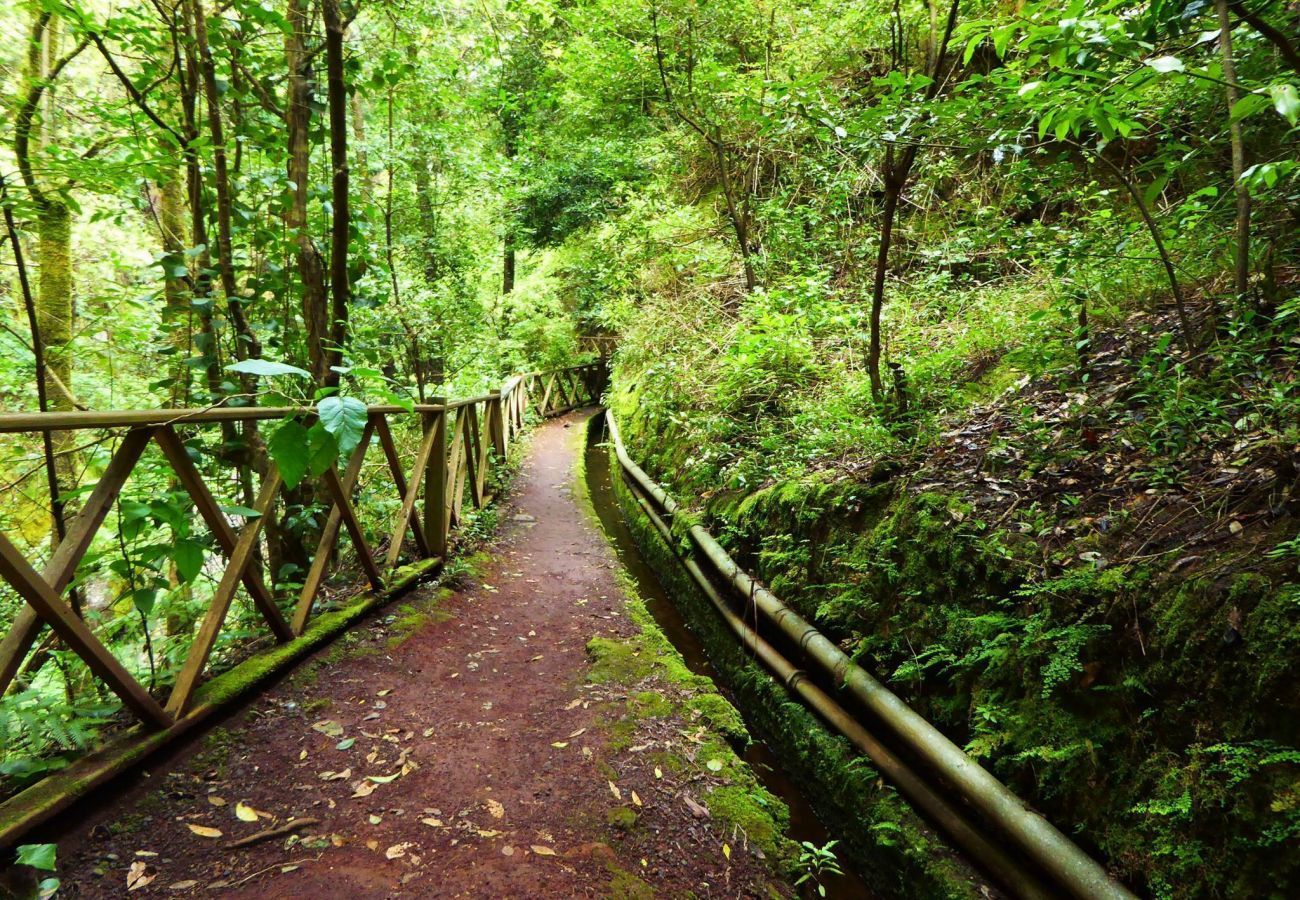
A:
(509, 772)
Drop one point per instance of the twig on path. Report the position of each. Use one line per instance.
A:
(287, 828)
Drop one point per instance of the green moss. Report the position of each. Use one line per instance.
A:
(649, 705)
(759, 816)
(623, 662)
(315, 705)
(622, 818)
(879, 834)
(623, 885)
(721, 716)
(743, 803)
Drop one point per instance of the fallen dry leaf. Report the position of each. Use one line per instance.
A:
(542, 851)
(397, 851)
(244, 812)
(432, 823)
(140, 875)
(495, 808)
(613, 789)
(559, 745)
(329, 728)
(203, 830)
(696, 810)
(215, 800)
(364, 789)
(183, 885)
(636, 799)
(488, 833)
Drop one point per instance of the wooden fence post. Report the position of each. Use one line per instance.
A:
(496, 426)
(435, 486)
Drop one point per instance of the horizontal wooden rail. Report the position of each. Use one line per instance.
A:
(460, 444)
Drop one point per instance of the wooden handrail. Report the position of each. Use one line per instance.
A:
(81, 420)
(461, 441)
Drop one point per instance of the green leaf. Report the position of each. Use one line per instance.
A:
(38, 856)
(238, 510)
(188, 557)
(1247, 106)
(144, 599)
(322, 450)
(1286, 101)
(345, 744)
(266, 367)
(1166, 64)
(290, 447)
(345, 418)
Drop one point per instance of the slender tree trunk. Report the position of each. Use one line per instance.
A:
(206, 341)
(897, 171)
(1241, 247)
(51, 313)
(311, 268)
(246, 343)
(508, 242)
(340, 285)
(737, 214)
(176, 311)
(893, 190)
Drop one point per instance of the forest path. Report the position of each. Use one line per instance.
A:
(483, 711)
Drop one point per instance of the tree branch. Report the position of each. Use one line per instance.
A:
(132, 91)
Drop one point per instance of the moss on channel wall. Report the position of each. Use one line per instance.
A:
(886, 842)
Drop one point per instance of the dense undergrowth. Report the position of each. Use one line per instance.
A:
(1063, 525)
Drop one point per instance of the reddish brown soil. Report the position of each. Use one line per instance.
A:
(473, 703)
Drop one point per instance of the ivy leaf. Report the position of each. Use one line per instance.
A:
(266, 367)
(188, 556)
(345, 418)
(1286, 101)
(38, 856)
(1165, 64)
(290, 447)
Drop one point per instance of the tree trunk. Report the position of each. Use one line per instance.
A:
(340, 286)
(176, 311)
(1241, 246)
(311, 268)
(893, 190)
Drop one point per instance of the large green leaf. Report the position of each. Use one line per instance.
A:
(289, 446)
(266, 367)
(38, 856)
(345, 418)
(1286, 101)
(322, 449)
(188, 557)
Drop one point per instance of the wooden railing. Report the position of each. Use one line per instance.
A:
(459, 441)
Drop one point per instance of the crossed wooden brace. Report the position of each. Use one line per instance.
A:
(44, 591)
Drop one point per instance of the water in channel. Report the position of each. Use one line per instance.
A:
(804, 824)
